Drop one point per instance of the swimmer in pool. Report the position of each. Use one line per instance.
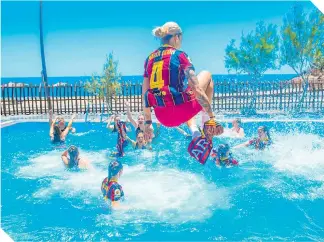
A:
(140, 143)
(237, 131)
(261, 142)
(122, 142)
(56, 133)
(110, 188)
(222, 156)
(139, 124)
(114, 127)
(61, 122)
(71, 158)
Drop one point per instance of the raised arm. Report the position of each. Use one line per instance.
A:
(50, 120)
(65, 158)
(71, 121)
(148, 132)
(51, 133)
(245, 144)
(145, 87)
(110, 127)
(129, 115)
(132, 141)
(241, 133)
(66, 131)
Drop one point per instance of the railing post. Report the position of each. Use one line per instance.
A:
(3, 100)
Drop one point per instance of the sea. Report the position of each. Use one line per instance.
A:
(135, 79)
(74, 85)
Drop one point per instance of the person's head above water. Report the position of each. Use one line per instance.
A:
(140, 119)
(61, 122)
(140, 137)
(116, 118)
(223, 151)
(236, 123)
(73, 152)
(170, 33)
(263, 132)
(115, 168)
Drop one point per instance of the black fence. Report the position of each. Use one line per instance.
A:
(228, 97)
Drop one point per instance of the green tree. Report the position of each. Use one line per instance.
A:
(318, 20)
(302, 42)
(106, 86)
(257, 53)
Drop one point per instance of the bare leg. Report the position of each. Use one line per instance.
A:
(190, 122)
(206, 83)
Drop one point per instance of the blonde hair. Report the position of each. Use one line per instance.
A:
(169, 28)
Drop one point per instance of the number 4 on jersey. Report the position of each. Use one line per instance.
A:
(156, 80)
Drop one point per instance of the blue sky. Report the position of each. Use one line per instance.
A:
(78, 35)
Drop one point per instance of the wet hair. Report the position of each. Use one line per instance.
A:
(265, 130)
(222, 150)
(74, 154)
(115, 129)
(238, 121)
(57, 133)
(61, 119)
(113, 168)
(139, 132)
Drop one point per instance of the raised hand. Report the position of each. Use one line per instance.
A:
(148, 132)
(127, 104)
(212, 128)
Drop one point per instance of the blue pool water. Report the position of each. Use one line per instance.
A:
(277, 194)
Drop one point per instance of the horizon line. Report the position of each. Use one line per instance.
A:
(135, 75)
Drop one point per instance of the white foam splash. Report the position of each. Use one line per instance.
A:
(83, 133)
(299, 154)
(51, 165)
(45, 165)
(167, 195)
(159, 195)
(298, 160)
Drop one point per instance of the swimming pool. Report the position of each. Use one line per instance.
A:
(277, 194)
